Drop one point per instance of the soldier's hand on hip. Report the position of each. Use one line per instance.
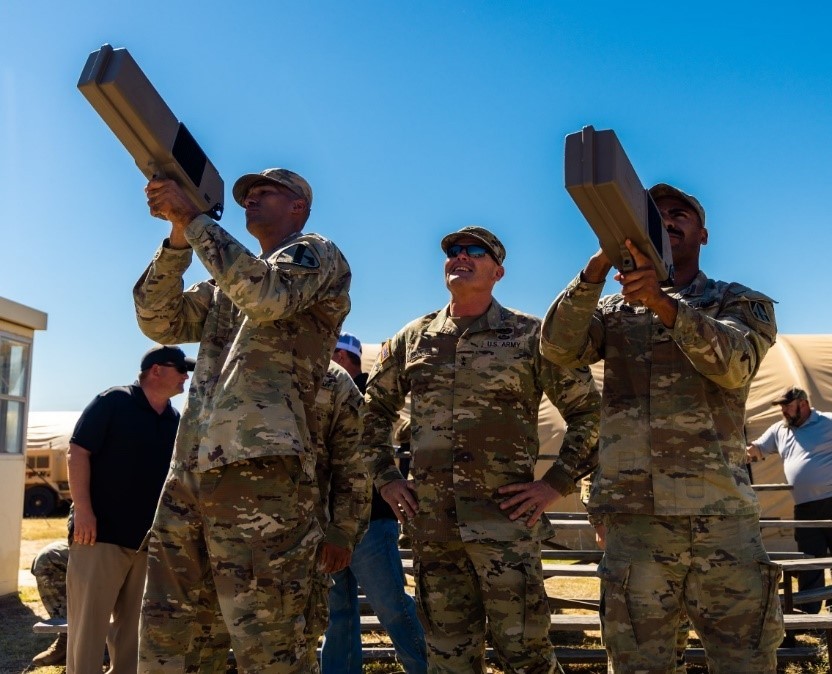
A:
(401, 496)
(530, 498)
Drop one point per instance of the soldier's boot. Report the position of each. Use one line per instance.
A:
(54, 655)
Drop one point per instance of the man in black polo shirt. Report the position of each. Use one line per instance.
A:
(118, 457)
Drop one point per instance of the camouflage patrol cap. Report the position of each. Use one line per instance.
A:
(277, 176)
(495, 247)
(664, 190)
(789, 395)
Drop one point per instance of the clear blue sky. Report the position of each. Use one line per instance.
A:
(410, 120)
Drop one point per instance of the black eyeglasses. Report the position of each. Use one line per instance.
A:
(471, 250)
(181, 369)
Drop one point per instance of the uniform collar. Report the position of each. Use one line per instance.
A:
(282, 244)
(695, 287)
(490, 320)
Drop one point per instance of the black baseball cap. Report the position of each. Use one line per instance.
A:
(167, 355)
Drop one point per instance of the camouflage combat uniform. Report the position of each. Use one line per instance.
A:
(682, 520)
(344, 511)
(239, 500)
(49, 570)
(475, 397)
(343, 483)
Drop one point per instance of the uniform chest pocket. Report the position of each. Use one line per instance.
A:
(430, 363)
(627, 332)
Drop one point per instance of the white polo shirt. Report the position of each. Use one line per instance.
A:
(806, 453)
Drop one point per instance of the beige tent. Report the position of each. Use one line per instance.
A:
(802, 360)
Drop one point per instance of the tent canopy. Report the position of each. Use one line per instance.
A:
(50, 430)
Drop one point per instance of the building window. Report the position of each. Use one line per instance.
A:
(15, 357)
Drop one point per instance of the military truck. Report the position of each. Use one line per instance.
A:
(47, 477)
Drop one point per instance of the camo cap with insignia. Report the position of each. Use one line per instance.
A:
(489, 240)
(277, 176)
(664, 190)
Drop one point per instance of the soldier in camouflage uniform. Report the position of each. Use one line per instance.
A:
(239, 500)
(344, 502)
(682, 521)
(49, 570)
(343, 509)
(473, 508)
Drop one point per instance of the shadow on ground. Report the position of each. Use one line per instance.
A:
(18, 644)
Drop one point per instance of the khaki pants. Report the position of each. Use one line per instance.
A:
(103, 580)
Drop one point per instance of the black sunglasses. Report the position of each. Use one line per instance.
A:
(471, 250)
(181, 369)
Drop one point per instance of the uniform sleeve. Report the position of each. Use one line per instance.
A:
(767, 442)
(574, 393)
(349, 491)
(386, 391)
(165, 312)
(727, 348)
(265, 289)
(573, 330)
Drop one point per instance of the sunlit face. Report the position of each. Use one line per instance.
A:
(795, 412)
(684, 229)
(268, 206)
(469, 273)
(171, 379)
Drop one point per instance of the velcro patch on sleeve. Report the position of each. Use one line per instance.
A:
(301, 255)
(760, 311)
(384, 353)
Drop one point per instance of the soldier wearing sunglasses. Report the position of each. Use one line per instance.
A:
(473, 508)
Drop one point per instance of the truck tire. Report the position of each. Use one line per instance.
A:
(39, 502)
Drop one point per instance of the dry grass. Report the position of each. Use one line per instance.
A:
(18, 644)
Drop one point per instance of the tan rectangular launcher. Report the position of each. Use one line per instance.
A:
(603, 183)
(160, 144)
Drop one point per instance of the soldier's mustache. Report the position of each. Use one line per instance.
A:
(676, 232)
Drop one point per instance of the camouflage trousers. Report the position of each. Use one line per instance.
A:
(208, 652)
(715, 569)
(317, 615)
(49, 570)
(464, 590)
(239, 540)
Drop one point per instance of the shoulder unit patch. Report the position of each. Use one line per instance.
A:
(301, 255)
(760, 312)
